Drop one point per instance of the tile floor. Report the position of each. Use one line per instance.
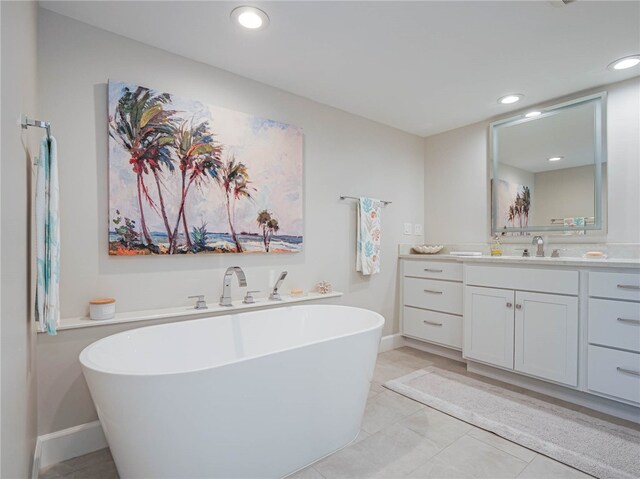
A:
(400, 438)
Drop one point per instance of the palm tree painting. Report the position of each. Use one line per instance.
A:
(141, 126)
(175, 163)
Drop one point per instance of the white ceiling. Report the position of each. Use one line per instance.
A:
(422, 67)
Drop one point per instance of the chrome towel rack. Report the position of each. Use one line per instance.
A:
(27, 122)
(345, 197)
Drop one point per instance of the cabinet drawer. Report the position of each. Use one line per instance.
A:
(614, 323)
(443, 296)
(616, 373)
(523, 278)
(451, 271)
(445, 329)
(615, 285)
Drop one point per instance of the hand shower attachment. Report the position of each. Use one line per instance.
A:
(275, 296)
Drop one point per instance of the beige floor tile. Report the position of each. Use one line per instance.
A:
(436, 426)
(408, 356)
(378, 416)
(543, 467)
(477, 459)
(377, 387)
(502, 444)
(382, 455)
(98, 462)
(361, 435)
(306, 473)
(434, 469)
(387, 370)
(345, 464)
(401, 404)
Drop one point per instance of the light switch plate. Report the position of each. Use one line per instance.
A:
(417, 229)
(408, 229)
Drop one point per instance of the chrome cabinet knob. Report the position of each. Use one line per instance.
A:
(518, 306)
(509, 305)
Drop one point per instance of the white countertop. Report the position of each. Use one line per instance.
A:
(214, 309)
(532, 260)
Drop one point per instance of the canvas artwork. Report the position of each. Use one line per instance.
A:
(190, 178)
(514, 204)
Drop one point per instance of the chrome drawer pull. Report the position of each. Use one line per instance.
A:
(626, 320)
(433, 270)
(628, 371)
(431, 322)
(628, 286)
(432, 291)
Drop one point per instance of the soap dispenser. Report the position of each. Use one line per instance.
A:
(496, 249)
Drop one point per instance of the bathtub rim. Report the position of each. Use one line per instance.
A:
(101, 370)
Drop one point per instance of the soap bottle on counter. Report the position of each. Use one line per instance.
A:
(496, 249)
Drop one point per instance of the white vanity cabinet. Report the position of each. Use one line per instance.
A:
(488, 325)
(535, 333)
(432, 302)
(613, 354)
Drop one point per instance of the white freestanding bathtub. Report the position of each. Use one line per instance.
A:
(252, 395)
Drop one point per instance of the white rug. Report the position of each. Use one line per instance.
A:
(597, 447)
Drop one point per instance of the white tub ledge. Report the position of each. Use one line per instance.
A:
(184, 312)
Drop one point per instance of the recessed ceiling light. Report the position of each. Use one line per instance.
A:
(531, 114)
(511, 98)
(556, 158)
(250, 17)
(624, 63)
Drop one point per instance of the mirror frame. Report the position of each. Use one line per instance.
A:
(599, 101)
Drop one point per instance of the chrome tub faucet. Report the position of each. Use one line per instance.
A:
(225, 299)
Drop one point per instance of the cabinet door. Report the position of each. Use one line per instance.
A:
(488, 325)
(546, 337)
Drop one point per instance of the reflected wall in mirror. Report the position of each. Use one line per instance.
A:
(548, 169)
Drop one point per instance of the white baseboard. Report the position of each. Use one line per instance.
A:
(392, 341)
(66, 444)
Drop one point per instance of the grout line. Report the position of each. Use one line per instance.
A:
(495, 447)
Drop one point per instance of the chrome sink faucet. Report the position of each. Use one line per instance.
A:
(539, 241)
(225, 299)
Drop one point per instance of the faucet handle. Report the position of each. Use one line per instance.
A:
(249, 299)
(201, 303)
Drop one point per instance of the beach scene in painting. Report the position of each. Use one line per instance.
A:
(190, 178)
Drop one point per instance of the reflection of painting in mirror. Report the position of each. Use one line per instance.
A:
(514, 204)
(556, 155)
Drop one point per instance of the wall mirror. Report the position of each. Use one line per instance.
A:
(549, 169)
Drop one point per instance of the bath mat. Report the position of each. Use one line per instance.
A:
(592, 445)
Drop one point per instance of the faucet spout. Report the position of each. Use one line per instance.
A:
(225, 299)
(539, 242)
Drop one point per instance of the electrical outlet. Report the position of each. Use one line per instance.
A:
(408, 229)
(417, 229)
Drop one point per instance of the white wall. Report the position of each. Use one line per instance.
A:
(457, 203)
(566, 192)
(17, 344)
(344, 154)
(456, 186)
